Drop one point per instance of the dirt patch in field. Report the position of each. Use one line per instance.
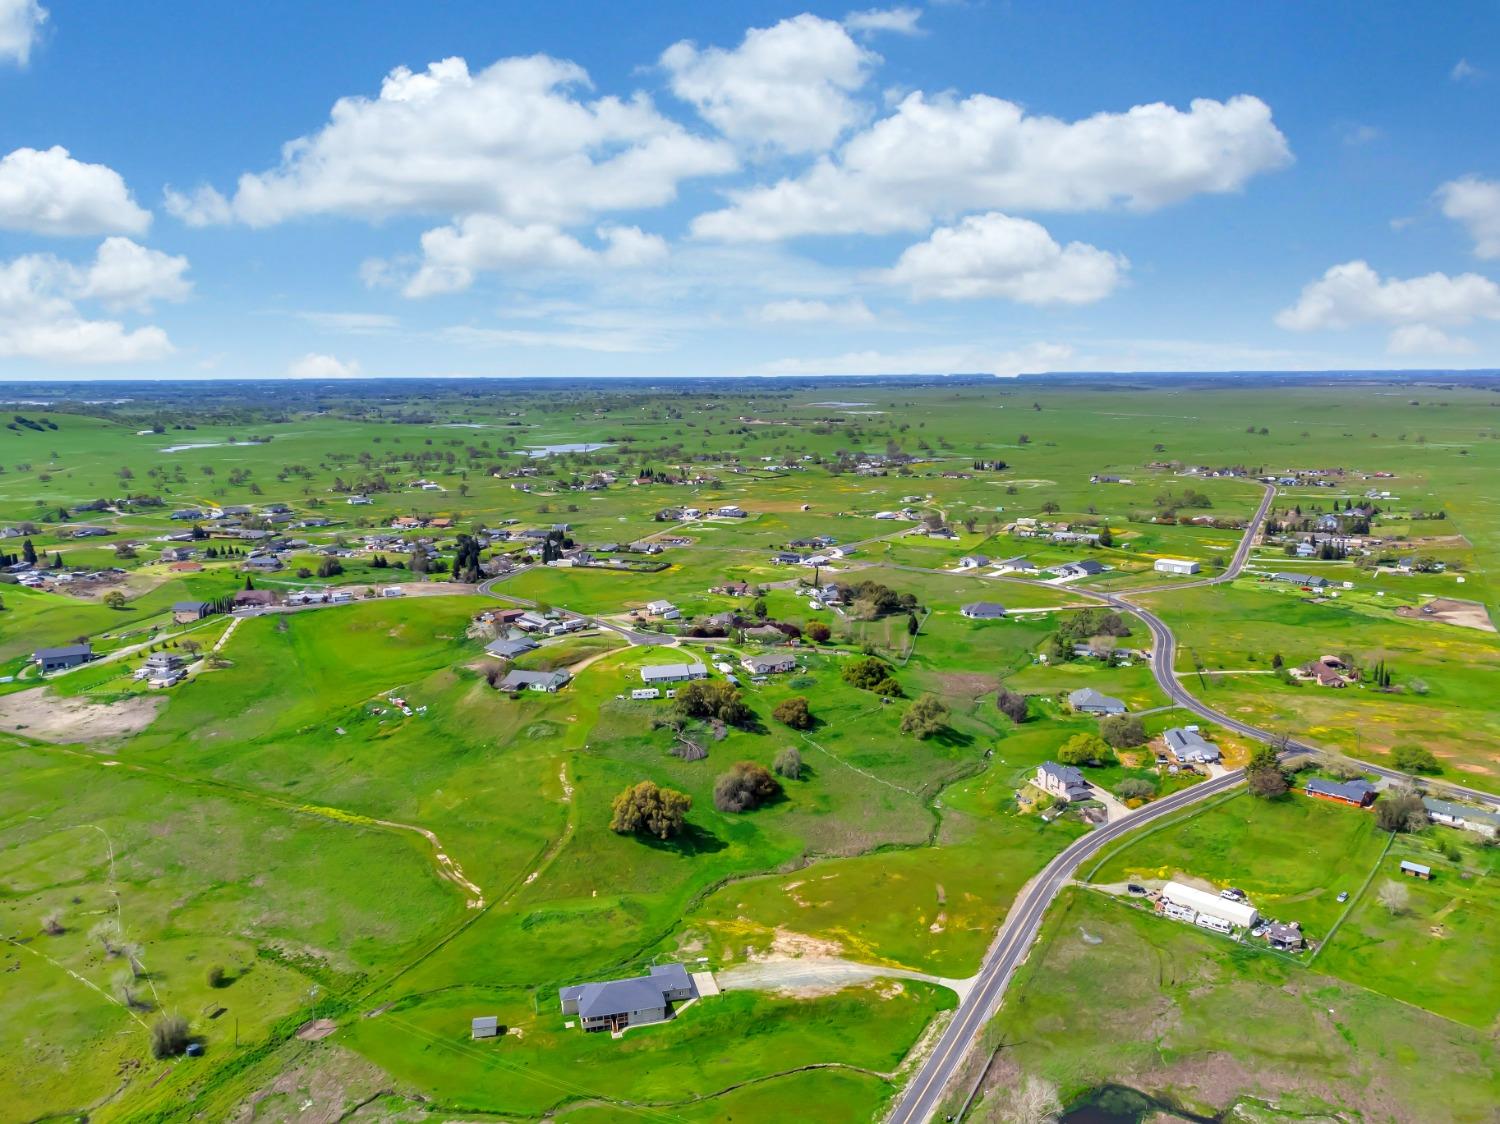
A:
(1450, 610)
(315, 1029)
(329, 1084)
(45, 716)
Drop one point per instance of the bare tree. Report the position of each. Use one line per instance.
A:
(1395, 897)
(52, 923)
(107, 933)
(1033, 1101)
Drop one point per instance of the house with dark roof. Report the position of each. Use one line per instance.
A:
(1063, 780)
(1086, 568)
(983, 611)
(63, 657)
(1356, 793)
(1308, 581)
(1327, 671)
(509, 649)
(673, 672)
(1086, 700)
(615, 1005)
(184, 612)
(254, 598)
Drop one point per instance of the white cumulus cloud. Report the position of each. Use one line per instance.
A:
(316, 366)
(1032, 358)
(997, 256)
(40, 319)
(20, 24)
(1422, 339)
(453, 255)
(513, 140)
(46, 191)
(938, 156)
(788, 87)
(1353, 293)
(1475, 203)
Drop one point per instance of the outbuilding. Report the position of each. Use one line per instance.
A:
(1416, 870)
(1181, 566)
(62, 658)
(1241, 915)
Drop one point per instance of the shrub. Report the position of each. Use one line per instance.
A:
(1133, 788)
(701, 699)
(818, 632)
(1084, 749)
(794, 712)
(647, 808)
(1266, 782)
(746, 786)
(867, 673)
(169, 1036)
(789, 763)
(1012, 704)
(1415, 759)
(216, 976)
(924, 717)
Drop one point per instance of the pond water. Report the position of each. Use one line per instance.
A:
(1119, 1104)
(565, 447)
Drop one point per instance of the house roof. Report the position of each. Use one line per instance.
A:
(639, 993)
(189, 606)
(1064, 774)
(758, 664)
(1460, 811)
(1088, 697)
(1190, 743)
(670, 671)
(1087, 566)
(1415, 868)
(63, 652)
(515, 680)
(1355, 790)
(1299, 579)
(983, 609)
(508, 648)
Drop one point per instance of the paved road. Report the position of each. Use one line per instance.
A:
(921, 1097)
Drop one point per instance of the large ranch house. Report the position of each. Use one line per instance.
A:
(616, 1004)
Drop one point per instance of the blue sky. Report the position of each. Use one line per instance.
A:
(396, 189)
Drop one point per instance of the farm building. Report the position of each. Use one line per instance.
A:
(184, 612)
(1357, 793)
(1241, 915)
(660, 608)
(1176, 566)
(617, 1004)
(673, 672)
(486, 1026)
(548, 681)
(1086, 700)
(1461, 816)
(57, 659)
(1063, 780)
(254, 598)
(983, 611)
(1189, 746)
(1416, 870)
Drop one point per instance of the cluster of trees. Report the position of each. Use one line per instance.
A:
(788, 763)
(871, 599)
(466, 560)
(746, 787)
(1264, 775)
(1380, 675)
(702, 699)
(871, 674)
(1401, 810)
(1415, 759)
(1101, 624)
(646, 808)
(1123, 731)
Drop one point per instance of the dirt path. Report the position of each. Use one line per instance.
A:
(815, 975)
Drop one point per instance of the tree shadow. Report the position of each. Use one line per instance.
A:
(949, 738)
(692, 840)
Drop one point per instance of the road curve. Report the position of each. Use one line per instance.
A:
(920, 1098)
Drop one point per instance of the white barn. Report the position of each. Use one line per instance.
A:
(1240, 914)
(1181, 566)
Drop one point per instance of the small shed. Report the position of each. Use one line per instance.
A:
(1416, 870)
(486, 1026)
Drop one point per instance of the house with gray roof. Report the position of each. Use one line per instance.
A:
(60, 658)
(1294, 578)
(772, 664)
(1085, 568)
(1064, 781)
(616, 1004)
(1357, 793)
(1462, 816)
(509, 649)
(1191, 747)
(533, 680)
(983, 611)
(1086, 700)
(673, 672)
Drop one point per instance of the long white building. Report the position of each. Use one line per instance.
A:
(1176, 566)
(1240, 914)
